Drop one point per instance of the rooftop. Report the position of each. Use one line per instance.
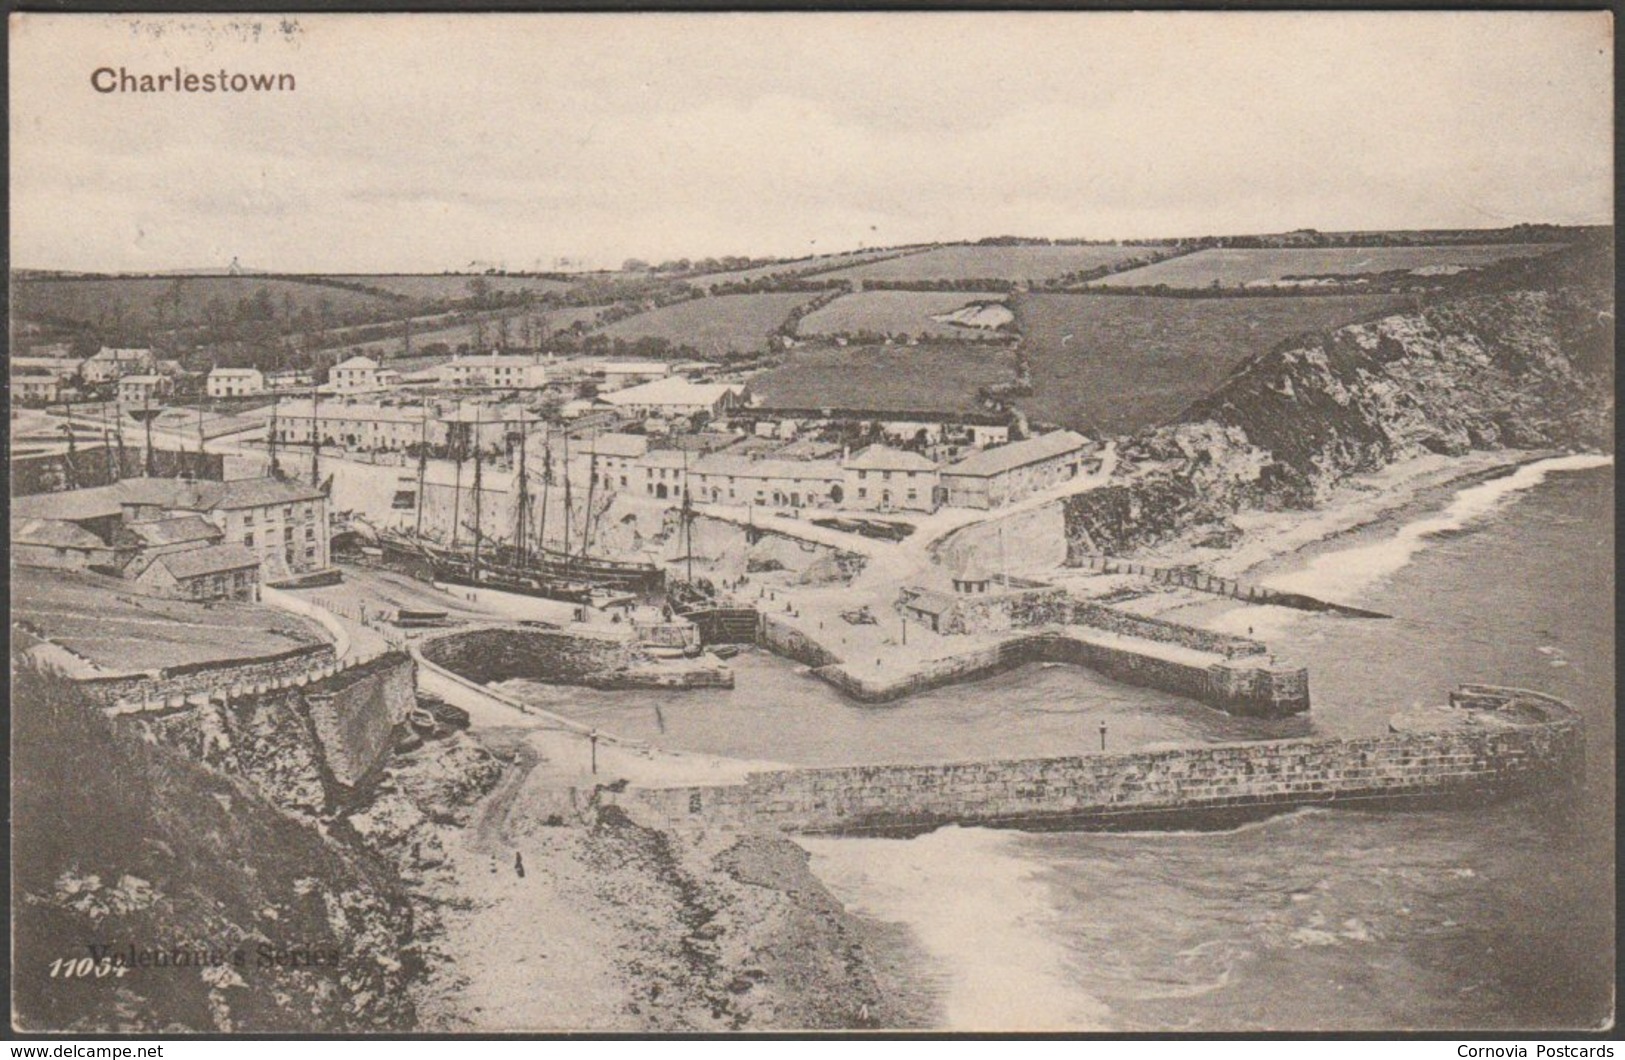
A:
(54, 533)
(672, 391)
(181, 528)
(210, 559)
(234, 371)
(885, 458)
(172, 493)
(1018, 454)
(357, 362)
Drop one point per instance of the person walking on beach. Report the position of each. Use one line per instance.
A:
(519, 864)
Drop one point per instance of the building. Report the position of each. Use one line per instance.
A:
(213, 572)
(362, 426)
(619, 375)
(110, 364)
(61, 544)
(613, 458)
(677, 397)
(726, 478)
(881, 478)
(289, 379)
(1007, 473)
(495, 371)
(58, 367)
(144, 389)
(661, 473)
(356, 375)
(284, 524)
(235, 382)
(35, 389)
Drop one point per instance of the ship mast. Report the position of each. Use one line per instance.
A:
(457, 484)
(592, 480)
(423, 466)
(547, 489)
(479, 527)
(270, 446)
(566, 549)
(522, 502)
(688, 522)
(315, 434)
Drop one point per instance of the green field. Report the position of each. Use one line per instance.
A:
(1024, 264)
(1117, 363)
(456, 336)
(899, 313)
(786, 270)
(929, 377)
(1241, 267)
(453, 287)
(137, 302)
(732, 323)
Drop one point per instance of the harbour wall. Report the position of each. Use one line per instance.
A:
(1491, 743)
(1248, 685)
(566, 657)
(308, 744)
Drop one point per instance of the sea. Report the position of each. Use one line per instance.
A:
(1492, 917)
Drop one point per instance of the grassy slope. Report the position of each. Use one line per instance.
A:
(736, 323)
(95, 301)
(1132, 362)
(1238, 267)
(937, 377)
(897, 313)
(1028, 263)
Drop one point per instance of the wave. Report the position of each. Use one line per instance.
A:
(980, 910)
(1345, 574)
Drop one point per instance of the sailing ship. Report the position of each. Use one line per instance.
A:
(527, 564)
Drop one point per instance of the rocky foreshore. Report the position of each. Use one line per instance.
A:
(553, 914)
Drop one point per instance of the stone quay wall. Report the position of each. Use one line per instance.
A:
(1478, 756)
(563, 657)
(1240, 687)
(157, 686)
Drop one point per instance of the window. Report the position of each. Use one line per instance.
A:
(863, 494)
(913, 495)
(248, 539)
(248, 518)
(287, 533)
(310, 531)
(310, 554)
(863, 474)
(287, 512)
(885, 476)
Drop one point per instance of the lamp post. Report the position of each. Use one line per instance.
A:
(592, 738)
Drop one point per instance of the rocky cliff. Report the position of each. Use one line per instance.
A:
(1522, 360)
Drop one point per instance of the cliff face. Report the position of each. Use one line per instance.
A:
(1529, 367)
(215, 910)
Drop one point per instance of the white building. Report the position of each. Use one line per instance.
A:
(111, 363)
(618, 375)
(721, 478)
(143, 389)
(1008, 473)
(495, 371)
(355, 375)
(886, 479)
(235, 382)
(358, 425)
(677, 397)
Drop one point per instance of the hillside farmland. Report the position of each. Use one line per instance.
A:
(899, 313)
(1241, 267)
(940, 377)
(788, 270)
(456, 336)
(1018, 264)
(1119, 363)
(453, 287)
(716, 327)
(142, 302)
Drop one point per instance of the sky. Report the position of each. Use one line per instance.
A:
(430, 142)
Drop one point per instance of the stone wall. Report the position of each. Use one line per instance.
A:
(1236, 688)
(206, 678)
(556, 656)
(1114, 620)
(355, 711)
(791, 643)
(1537, 742)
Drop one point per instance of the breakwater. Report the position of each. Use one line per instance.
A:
(1489, 743)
